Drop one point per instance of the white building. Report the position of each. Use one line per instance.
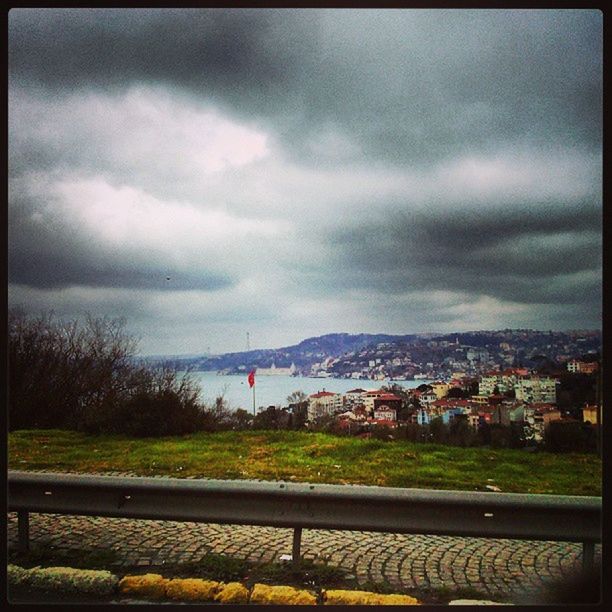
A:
(385, 413)
(322, 404)
(354, 396)
(536, 389)
(274, 371)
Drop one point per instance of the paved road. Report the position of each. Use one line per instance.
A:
(518, 569)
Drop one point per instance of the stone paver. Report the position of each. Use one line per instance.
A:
(494, 567)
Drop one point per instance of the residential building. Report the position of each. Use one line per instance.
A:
(322, 404)
(440, 388)
(354, 396)
(388, 400)
(427, 397)
(480, 399)
(536, 389)
(583, 367)
(384, 412)
(369, 396)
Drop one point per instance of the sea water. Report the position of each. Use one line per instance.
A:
(274, 390)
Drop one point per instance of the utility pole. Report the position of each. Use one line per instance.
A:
(248, 342)
(598, 407)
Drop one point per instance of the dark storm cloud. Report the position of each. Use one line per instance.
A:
(526, 255)
(406, 85)
(239, 53)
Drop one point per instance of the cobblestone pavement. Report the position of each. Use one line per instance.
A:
(495, 567)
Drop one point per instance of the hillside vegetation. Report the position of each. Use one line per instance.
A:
(307, 457)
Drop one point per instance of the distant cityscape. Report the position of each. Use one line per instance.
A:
(523, 379)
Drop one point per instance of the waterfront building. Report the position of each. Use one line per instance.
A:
(274, 371)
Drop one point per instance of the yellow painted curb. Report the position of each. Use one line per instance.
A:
(192, 589)
(233, 593)
(264, 594)
(365, 598)
(155, 586)
(147, 585)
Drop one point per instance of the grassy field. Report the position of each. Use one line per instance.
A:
(308, 457)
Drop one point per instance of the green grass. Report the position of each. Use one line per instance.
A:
(308, 457)
(47, 555)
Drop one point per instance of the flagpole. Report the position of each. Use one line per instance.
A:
(252, 385)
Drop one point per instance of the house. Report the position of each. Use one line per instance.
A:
(440, 388)
(384, 412)
(480, 399)
(427, 397)
(370, 396)
(388, 400)
(382, 423)
(422, 417)
(451, 414)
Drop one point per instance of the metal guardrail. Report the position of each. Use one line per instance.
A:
(312, 506)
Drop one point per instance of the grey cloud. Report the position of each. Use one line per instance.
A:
(528, 255)
(233, 52)
(401, 93)
(409, 86)
(52, 255)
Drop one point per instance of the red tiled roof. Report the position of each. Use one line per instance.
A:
(543, 406)
(322, 394)
(389, 396)
(382, 422)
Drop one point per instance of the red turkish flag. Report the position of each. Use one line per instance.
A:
(251, 378)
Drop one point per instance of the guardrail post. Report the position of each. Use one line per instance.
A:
(297, 540)
(588, 556)
(23, 530)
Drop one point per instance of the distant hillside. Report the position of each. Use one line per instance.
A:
(375, 355)
(302, 355)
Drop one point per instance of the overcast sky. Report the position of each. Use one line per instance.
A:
(211, 172)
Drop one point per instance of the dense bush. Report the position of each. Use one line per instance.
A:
(461, 433)
(570, 437)
(83, 376)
